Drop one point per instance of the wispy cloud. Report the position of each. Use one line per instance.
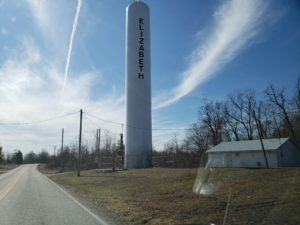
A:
(41, 13)
(31, 80)
(236, 24)
(53, 20)
(30, 87)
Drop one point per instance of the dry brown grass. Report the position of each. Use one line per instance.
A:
(6, 167)
(164, 196)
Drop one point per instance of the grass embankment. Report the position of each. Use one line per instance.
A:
(47, 171)
(164, 196)
(6, 167)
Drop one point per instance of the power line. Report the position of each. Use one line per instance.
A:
(140, 128)
(104, 120)
(96, 126)
(38, 121)
(87, 115)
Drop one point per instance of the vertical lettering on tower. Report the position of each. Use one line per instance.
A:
(141, 51)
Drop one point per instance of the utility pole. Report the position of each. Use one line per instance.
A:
(97, 140)
(79, 149)
(54, 150)
(260, 138)
(98, 146)
(122, 149)
(62, 149)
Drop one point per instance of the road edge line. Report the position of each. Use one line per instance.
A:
(101, 221)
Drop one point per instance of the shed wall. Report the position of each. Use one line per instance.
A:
(253, 159)
(288, 155)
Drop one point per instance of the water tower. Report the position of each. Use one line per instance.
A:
(138, 133)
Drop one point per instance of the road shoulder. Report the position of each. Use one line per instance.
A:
(99, 211)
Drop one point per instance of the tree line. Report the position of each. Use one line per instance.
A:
(241, 115)
(14, 158)
(66, 158)
(17, 157)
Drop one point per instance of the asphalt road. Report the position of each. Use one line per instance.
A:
(28, 197)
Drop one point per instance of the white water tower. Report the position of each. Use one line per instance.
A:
(138, 133)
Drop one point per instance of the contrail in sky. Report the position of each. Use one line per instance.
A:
(71, 47)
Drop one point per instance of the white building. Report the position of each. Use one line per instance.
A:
(280, 153)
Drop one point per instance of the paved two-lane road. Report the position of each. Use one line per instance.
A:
(27, 197)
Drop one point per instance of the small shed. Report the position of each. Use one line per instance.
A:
(280, 152)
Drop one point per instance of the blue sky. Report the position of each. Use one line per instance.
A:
(200, 49)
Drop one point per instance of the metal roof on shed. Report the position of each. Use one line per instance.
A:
(249, 145)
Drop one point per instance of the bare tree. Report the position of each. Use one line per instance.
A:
(278, 99)
(257, 117)
(175, 143)
(169, 148)
(230, 114)
(1, 154)
(296, 119)
(109, 143)
(258, 125)
(211, 115)
(268, 125)
(186, 145)
(199, 137)
(244, 103)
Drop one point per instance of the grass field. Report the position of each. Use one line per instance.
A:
(6, 167)
(164, 196)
